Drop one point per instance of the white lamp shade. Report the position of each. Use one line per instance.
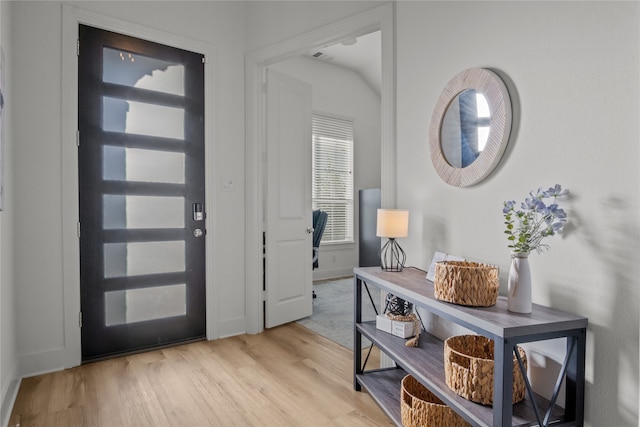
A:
(392, 223)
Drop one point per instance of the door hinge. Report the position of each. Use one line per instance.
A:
(77, 138)
(78, 228)
(78, 47)
(204, 59)
(80, 319)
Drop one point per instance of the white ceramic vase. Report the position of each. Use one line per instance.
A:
(519, 297)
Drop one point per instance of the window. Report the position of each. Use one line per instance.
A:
(333, 175)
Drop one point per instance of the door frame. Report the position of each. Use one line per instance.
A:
(380, 18)
(71, 18)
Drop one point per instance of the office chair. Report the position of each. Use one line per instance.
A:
(319, 223)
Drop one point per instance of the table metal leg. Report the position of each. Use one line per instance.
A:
(503, 383)
(357, 336)
(575, 381)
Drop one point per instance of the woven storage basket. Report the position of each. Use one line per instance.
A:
(466, 283)
(419, 407)
(468, 368)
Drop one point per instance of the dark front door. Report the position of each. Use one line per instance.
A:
(141, 181)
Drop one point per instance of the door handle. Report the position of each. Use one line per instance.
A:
(310, 230)
(197, 233)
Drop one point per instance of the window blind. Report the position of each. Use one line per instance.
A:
(332, 181)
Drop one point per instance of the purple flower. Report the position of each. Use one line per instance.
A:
(526, 228)
(538, 195)
(556, 211)
(556, 191)
(557, 226)
(508, 206)
(533, 204)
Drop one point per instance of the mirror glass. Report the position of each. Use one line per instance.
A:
(465, 128)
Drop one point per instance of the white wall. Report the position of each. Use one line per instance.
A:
(8, 350)
(339, 91)
(572, 69)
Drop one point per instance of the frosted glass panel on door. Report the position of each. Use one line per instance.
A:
(131, 69)
(138, 305)
(139, 118)
(142, 212)
(136, 258)
(133, 164)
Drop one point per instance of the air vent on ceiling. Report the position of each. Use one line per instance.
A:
(320, 55)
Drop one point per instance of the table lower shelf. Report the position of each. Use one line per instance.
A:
(426, 363)
(384, 388)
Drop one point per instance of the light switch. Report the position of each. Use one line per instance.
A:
(227, 184)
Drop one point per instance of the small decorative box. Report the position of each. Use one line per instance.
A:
(395, 327)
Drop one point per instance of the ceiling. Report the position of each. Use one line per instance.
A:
(363, 57)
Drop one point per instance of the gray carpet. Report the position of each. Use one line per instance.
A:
(333, 310)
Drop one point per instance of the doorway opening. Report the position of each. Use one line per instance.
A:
(380, 19)
(346, 83)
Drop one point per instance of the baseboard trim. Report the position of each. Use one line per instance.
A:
(9, 397)
(231, 327)
(42, 363)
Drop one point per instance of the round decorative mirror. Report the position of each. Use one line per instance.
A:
(470, 127)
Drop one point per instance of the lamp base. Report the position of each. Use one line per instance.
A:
(392, 257)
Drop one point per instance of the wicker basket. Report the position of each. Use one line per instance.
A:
(419, 407)
(468, 368)
(466, 283)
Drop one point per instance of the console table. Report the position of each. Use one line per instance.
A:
(426, 362)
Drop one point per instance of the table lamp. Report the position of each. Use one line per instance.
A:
(392, 223)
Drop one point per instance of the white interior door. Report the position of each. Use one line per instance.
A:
(288, 277)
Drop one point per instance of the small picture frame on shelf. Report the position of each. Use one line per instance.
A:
(437, 257)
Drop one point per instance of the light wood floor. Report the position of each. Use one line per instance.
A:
(286, 376)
